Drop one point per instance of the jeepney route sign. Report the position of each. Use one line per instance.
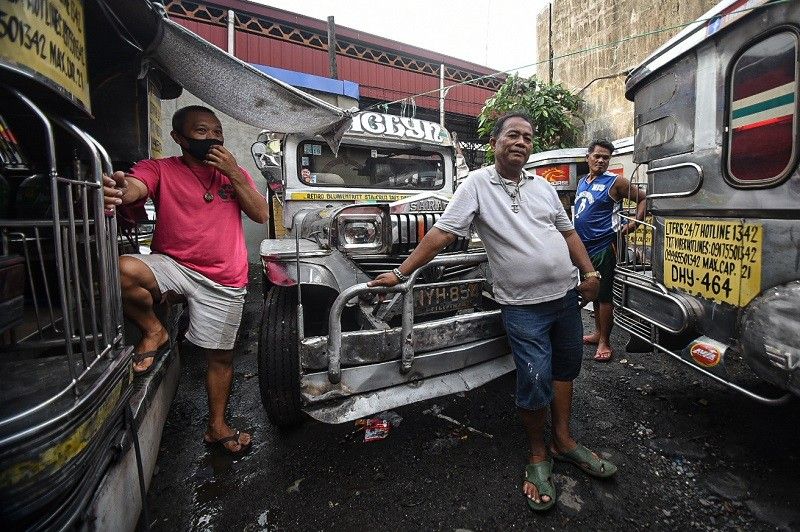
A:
(344, 196)
(47, 40)
(720, 261)
(398, 127)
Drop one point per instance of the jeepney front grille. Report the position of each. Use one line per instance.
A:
(374, 265)
(407, 231)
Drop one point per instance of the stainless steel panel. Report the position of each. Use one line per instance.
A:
(316, 387)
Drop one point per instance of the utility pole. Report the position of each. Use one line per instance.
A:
(550, 42)
(332, 48)
(442, 94)
(231, 31)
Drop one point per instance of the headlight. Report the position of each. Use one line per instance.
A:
(360, 232)
(360, 229)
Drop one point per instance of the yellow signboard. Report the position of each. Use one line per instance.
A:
(643, 235)
(346, 196)
(46, 38)
(720, 261)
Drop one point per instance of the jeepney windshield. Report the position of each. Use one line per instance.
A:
(369, 167)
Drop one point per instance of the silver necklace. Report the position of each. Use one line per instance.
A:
(513, 194)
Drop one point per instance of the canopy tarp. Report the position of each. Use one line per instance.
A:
(229, 84)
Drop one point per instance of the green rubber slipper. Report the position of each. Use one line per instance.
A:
(585, 459)
(539, 474)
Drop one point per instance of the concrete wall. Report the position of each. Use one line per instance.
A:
(238, 139)
(600, 74)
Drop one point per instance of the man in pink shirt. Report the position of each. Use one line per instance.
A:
(198, 251)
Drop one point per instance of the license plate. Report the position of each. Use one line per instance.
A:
(447, 297)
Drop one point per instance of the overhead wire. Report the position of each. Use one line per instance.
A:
(385, 105)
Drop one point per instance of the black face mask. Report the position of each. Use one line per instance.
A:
(198, 148)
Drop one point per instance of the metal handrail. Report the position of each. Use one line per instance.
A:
(752, 395)
(682, 194)
(407, 330)
(79, 317)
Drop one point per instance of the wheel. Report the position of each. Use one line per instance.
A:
(278, 359)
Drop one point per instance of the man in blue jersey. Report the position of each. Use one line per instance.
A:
(597, 221)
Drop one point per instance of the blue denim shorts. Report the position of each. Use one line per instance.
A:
(547, 343)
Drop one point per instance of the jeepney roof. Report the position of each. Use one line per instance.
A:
(560, 156)
(574, 155)
(714, 20)
(623, 146)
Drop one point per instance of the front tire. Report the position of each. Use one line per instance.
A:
(278, 359)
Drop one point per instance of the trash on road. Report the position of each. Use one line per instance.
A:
(375, 429)
(295, 487)
(392, 417)
(436, 410)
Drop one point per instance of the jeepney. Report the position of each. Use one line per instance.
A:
(564, 167)
(78, 435)
(716, 121)
(331, 347)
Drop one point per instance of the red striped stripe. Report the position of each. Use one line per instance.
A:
(768, 122)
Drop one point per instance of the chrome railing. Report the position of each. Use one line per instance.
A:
(73, 304)
(406, 289)
(635, 249)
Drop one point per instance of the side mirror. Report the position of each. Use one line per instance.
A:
(267, 155)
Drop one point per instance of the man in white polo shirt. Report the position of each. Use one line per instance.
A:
(536, 258)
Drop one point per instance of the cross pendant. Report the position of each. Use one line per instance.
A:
(514, 205)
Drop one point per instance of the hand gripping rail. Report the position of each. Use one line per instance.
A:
(407, 289)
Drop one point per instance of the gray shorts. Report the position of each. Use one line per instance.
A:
(215, 311)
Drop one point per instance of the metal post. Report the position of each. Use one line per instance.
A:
(332, 48)
(550, 42)
(407, 349)
(301, 329)
(442, 93)
(231, 31)
(111, 229)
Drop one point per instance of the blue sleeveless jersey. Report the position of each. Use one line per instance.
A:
(596, 216)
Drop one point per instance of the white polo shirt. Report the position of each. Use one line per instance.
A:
(528, 255)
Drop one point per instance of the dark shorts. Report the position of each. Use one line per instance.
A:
(547, 343)
(605, 262)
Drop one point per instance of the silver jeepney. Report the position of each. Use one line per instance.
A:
(564, 167)
(331, 347)
(716, 120)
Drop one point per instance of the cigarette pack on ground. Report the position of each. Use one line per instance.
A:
(376, 429)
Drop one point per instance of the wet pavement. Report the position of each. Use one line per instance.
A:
(690, 454)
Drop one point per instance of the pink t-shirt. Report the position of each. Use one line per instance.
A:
(206, 237)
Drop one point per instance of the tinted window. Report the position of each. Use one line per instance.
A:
(365, 167)
(763, 111)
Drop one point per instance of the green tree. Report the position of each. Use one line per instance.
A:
(554, 110)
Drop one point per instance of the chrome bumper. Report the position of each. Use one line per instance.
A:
(349, 375)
